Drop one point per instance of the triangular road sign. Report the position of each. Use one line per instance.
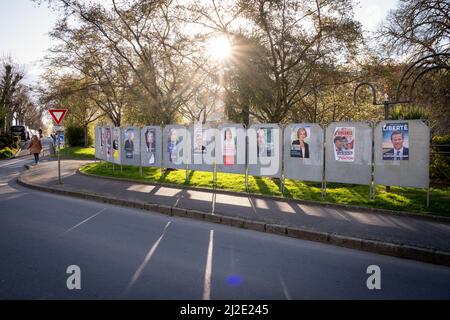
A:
(57, 114)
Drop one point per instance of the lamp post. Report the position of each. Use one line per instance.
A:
(411, 75)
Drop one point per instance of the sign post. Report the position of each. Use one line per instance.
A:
(58, 115)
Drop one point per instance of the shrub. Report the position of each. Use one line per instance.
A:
(440, 159)
(6, 153)
(407, 113)
(75, 136)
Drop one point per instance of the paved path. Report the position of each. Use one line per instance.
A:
(347, 222)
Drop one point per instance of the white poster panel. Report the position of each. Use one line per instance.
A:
(97, 143)
(264, 150)
(203, 147)
(130, 145)
(402, 153)
(348, 153)
(231, 148)
(303, 152)
(176, 147)
(151, 146)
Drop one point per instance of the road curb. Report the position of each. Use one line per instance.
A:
(422, 216)
(379, 247)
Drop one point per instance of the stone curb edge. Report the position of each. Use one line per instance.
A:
(423, 216)
(390, 249)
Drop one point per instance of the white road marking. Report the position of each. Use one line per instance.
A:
(208, 268)
(285, 290)
(144, 263)
(85, 220)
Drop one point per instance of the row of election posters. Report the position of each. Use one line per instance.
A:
(299, 151)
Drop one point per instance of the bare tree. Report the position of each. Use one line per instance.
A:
(417, 27)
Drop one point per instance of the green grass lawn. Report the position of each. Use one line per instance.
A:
(401, 199)
(77, 153)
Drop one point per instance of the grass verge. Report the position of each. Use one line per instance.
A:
(399, 199)
(77, 153)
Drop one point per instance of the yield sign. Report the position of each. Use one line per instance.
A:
(57, 114)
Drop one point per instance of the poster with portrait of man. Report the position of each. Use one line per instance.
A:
(264, 142)
(128, 145)
(199, 140)
(175, 146)
(344, 144)
(395, 143)
(174, 141)
(300, 140)
(203, 147)
(264, 150)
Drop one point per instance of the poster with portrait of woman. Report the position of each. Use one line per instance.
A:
(231, 148)
(151, 146)
(300, 141)
(229, 143)
(303, 151)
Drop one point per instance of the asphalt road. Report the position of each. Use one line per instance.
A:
(132, 254)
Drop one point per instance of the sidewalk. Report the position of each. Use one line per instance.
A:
(401, 235)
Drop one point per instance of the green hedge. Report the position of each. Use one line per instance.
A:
(75, 136)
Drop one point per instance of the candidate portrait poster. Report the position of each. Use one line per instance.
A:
(395, 145)
(199, 140)
(300, 140)
(150, 144)
(229, 143)
(108, 144)
(264, 142)
(115, 144)
(128, 146)
(174, 143)
(344, 144)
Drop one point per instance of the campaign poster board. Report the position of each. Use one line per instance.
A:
(98, 142)
(108, 144)
(402, 153)
(231, 148)
(116, 145)
(176, 152)
(203, 147)
(303, 152)
(131, 146)
(264, 150)
(151, 146)
(348, 156)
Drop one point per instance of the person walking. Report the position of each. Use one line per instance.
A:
(35, 148)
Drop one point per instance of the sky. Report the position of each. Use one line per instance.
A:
(24, 28)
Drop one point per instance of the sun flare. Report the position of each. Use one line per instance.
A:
(219, 47)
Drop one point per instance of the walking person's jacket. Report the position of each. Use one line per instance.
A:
(35, 146)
